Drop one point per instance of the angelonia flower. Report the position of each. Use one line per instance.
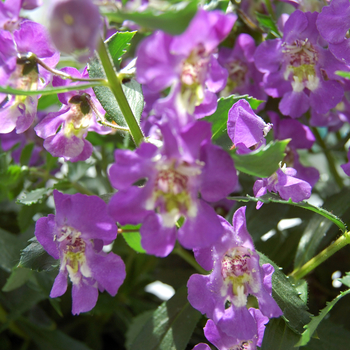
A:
(333, 23)
(65, 131)
(75, 27)
(225, 341)
(285, 183)
(179, 178)
(76, 236)
(246, 129)
(19, 70)
(187, 62)
(222, 295)
(299, 69)
(243, 77)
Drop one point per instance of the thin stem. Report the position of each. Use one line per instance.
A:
(270, 9)
(117, 90)
(329, 157)
(82, 189)
(321, 257)
(101, 119)
(65, 75)
(184, 254)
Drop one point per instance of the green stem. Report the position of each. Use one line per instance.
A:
(270, 9)
(329, 157)
(82, 189)
(341, 242)
(184, 254)
(117, 90)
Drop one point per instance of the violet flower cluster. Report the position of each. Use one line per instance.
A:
(170, 183)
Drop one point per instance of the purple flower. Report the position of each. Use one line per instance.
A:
(333, 23)
(236, 274)
(65, 131)
(75, 26)
(187, 62)
(18, 69)
(246, 130)
(229, 341)
(181, 177)
(284, 182)
(243, 77)
(76, 235)
(299, 69)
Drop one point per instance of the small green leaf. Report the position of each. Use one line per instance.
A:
(132, 90)
(18, 277)
(133, 237)
(35, 257)
(173, 20)
(311, 327)
(287, 297)
(267, 22)
(48, 101)
(262, 162)
(12, 175)
(219, 118)
(26, 154)
(270, 197)
(10, 247)
(167, 328)
(33, 196)
(346, 280)
(118, 44)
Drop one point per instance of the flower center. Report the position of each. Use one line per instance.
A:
(172, 192)
(236, 270)
(302, 58)
(243, 345)
(74, 258)
(193, 76)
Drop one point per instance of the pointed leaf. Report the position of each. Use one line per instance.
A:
(118, 44)
(287, 297)
(35, 257)
(262, 162)
(316, 320)
(33, 196)
(18, 277)
(167, 328)
(267, 22)
(133, 237)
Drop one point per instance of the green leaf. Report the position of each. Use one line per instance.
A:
(311, 327)
(346, 280)
(50, 90)
(53, 340)
(10, 247)
(48, 101)
(267, 22)
(262, 162)
(18, 277)
(118, 44)
(12, 175)
(219, 118)
(33, 197)
(270, 197)
(318, 226)
(132, 90)
(35, 257)
(331, 336)
(25, 215)
(133, 237)
(287, 297)
(174, 20)
(26, 154)
(167, 328)
(278, 336)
